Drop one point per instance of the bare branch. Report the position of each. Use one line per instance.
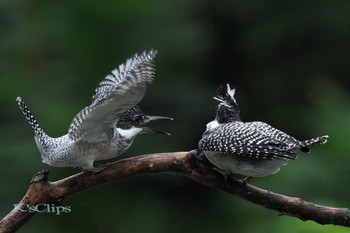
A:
(189, 164)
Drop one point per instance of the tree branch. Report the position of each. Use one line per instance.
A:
(190, 164)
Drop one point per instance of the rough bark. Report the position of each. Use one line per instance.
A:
(190, 164)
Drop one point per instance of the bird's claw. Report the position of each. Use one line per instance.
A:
(95, 169)
(247, 179)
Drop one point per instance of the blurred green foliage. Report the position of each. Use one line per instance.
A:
(289, 61)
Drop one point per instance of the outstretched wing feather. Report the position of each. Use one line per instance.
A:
(118, 92)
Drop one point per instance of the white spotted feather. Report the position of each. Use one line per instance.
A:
(248, 148)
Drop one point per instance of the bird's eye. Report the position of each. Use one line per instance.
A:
(138, 119)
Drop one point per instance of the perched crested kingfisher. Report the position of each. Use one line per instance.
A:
(252, 149)
(107, 127)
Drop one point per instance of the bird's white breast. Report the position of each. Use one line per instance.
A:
(212, 125)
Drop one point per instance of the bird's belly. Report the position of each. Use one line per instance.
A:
(78, 154)
(112, 149)
(246, 166)
(107, 152)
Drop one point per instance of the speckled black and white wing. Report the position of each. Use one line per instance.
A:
(252, 139)
(255, 139)
(123, 88)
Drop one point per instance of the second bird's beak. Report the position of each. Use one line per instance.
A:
(154, 118)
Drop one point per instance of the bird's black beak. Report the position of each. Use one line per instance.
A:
(149, 119)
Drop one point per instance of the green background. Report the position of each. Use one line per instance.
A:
(289, 61)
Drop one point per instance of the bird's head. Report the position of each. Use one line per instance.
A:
(228, 110)
(133, 121)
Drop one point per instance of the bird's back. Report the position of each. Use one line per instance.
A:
(227, 136)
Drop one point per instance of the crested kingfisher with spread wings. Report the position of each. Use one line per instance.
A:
(107, 127)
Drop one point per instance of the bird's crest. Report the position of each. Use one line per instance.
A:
(225, 95)
(228, 110)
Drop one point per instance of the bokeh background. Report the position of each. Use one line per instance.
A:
(289, 61)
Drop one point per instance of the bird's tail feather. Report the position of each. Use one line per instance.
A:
(313, 141)
(265, 152)
(39, 132)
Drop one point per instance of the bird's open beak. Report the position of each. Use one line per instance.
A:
(149, 119)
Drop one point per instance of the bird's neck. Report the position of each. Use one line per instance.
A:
(227, 114)
(129, 134)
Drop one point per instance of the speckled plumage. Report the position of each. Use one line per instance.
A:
(94, 133)
(248, 148)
